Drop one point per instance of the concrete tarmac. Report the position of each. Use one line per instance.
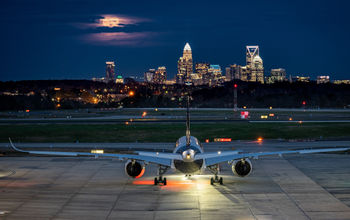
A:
(292, 187)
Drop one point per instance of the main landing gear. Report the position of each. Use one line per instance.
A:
(216, 179)
(215, 170)
(160, 179)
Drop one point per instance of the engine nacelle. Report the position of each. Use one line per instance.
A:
(242, 168)
(134, 169)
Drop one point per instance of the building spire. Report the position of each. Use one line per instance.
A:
(187, 47)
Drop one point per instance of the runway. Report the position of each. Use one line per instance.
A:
(294, 187)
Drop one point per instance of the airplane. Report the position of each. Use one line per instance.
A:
(188, 157)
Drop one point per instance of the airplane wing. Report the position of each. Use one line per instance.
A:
(164, 159)
(208, 155)
(219, 158)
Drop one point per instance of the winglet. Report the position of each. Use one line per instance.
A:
(14, 147)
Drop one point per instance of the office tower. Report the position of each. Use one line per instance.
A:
(254, 67)
(257, 70)
(322, 79)
(160, 75)
(149, 75)
(244, 71)
(201, 70)
(277, 75)
(185, 65)
(110, 72)
(233, 72)
(228, 74)
(214, 74)
(251, 52)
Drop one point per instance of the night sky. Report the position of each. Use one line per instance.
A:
(61, 39)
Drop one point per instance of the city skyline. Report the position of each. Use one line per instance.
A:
(63, 40)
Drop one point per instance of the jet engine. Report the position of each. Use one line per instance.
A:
(134, 169)
(242, 168)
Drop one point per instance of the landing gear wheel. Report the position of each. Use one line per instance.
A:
(221, 181)
(211, 181)
(160, 180)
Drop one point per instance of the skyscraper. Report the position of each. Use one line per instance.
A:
(215, 74)
(233, 72)
(254, 67)
(110, 72)
(257, 70)
(160, 75)
(251, 52)
(185, 65)
(149, 75)
(202, 72)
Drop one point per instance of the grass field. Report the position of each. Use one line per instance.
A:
(170, 132)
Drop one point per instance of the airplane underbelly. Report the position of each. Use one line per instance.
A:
(188, 167)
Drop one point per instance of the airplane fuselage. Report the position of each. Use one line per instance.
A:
(188, 165)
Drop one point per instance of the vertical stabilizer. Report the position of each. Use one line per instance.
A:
(188, 133)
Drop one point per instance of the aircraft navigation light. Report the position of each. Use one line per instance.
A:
(235, 85)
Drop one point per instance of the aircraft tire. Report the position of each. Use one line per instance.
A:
(221, 181)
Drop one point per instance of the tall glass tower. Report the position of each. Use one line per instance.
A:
(110, 72)
(185, 65)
